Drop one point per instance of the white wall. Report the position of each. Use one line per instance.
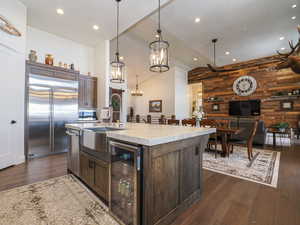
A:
(171, 87)
(12, 80)
(62, 49)
(158, 87)
(181, 93)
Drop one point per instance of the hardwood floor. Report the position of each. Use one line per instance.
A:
(231, 201)
(226, 200)
(33, 171)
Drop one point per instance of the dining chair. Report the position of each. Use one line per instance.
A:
(149, 119)
(248, 143)
(162, 120)
(189, 122)
(173, 122)
(137, 119)
(213, 140)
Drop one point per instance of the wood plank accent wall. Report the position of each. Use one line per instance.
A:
(269, 82)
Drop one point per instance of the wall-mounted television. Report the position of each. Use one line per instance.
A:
(244, 108)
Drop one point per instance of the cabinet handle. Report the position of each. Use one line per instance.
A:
(13, 122)
(197, 151)
(91, 164)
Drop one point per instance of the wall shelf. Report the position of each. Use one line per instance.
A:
(282, 98)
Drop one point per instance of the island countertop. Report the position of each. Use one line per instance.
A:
(148, 134)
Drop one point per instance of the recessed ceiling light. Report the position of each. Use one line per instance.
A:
(281, 38)
(197, 20)
(234, 60)
(294, 6)
(121, 57)
(227, 53)
(96, 27)
(294, 17)
(195, 59)
(282, 48)
(60, 11)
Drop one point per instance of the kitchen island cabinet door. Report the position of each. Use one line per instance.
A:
(190, 181)
(101, 179)
(86, 169)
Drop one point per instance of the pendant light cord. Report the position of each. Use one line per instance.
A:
(159, 15)
(214, 53)
(117, 53)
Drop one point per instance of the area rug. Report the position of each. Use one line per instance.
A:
(58, 201)
(263, 169)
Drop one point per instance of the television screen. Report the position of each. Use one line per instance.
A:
(244, 108)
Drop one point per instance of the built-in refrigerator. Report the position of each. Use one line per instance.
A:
(51, 103)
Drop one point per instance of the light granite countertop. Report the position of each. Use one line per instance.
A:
(147, 134)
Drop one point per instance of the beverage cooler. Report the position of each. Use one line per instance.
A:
(126, 182)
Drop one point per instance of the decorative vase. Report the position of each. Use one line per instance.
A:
(282, 130)
(49, 60)
(32, 56)
(72, 66)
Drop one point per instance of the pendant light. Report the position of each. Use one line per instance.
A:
(117, 67)
(137, 92)
(159, 55)
(214, 41)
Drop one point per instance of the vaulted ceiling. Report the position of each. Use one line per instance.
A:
(81, 15)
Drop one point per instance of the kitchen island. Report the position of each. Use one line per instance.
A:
(151, 173)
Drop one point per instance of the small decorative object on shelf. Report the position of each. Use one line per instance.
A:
(215, 107)
(281, 126)
(89, 74)
(214, 99)
(32, 56)
(65, 65)
(72, 66)
(49, 60)
(287, 105)
(60, 64)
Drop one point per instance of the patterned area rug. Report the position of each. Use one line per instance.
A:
(58, 201)
(264, 169)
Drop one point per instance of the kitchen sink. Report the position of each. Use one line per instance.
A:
(95, 138)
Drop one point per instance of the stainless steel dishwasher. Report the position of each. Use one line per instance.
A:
(73, 153)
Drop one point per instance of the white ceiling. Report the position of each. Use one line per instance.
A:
(80, 16)
(247, 28)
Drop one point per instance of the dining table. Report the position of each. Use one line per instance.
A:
(225, 133)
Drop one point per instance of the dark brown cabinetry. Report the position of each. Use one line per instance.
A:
(87, 92)
(172, 179)
(95, 173)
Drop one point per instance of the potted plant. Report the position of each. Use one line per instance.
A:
(282, 126)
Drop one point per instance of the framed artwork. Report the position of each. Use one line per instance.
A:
(155, 106)
(287, 105)
(215, 107)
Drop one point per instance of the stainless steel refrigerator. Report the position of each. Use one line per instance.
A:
(52, 102)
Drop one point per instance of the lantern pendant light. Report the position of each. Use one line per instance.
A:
(137, 92)
(159, 55)
(117, 67)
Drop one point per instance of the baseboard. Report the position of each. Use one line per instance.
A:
(19, 159)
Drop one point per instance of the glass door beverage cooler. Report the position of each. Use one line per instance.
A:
(126, 182)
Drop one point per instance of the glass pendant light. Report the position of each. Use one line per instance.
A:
(117, 67)
(137, 92)
(159, 55)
